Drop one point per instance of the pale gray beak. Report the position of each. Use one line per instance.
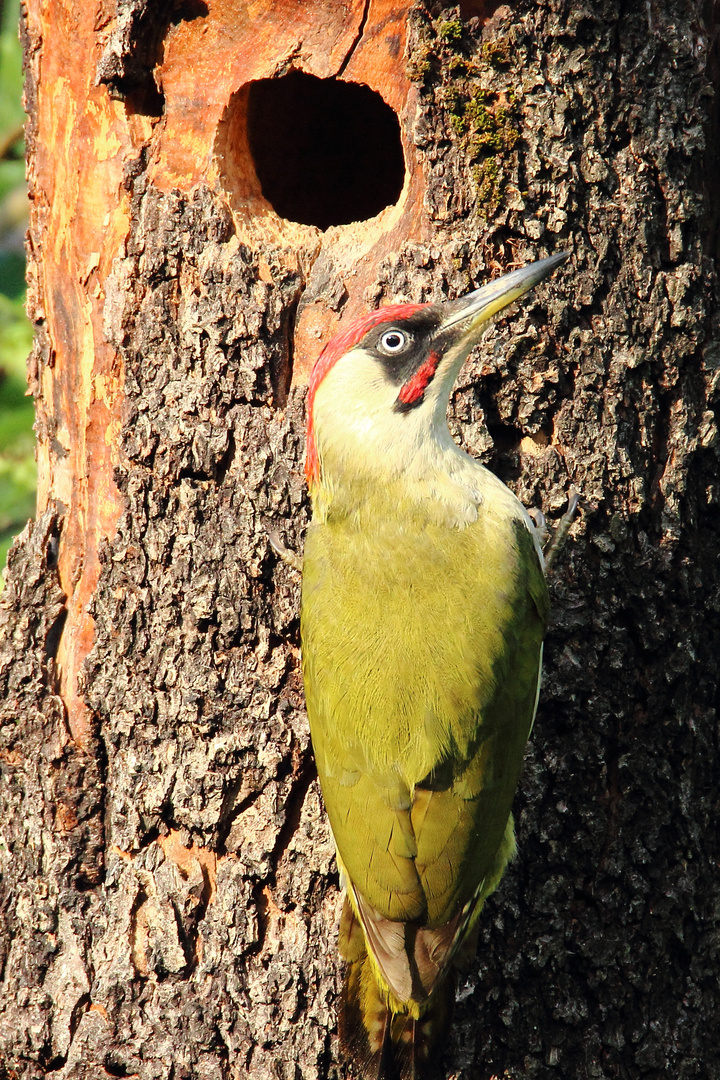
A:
(470, 312)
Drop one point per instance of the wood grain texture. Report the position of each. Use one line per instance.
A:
(168, 881)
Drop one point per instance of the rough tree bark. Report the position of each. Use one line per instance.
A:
(169, 889)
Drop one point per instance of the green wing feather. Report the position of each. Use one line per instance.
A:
(421, 655)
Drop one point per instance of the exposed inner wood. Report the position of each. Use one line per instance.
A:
(206, 69)
(77, 202)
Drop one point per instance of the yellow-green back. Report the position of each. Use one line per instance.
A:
(421, 653)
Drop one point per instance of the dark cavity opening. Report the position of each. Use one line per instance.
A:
(325, 152)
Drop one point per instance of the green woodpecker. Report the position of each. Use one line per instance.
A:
(423, 611)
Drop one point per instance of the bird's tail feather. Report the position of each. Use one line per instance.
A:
(414, 1043)
(382, 1043)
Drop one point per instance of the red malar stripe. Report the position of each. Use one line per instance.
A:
(414, 388)
(342, 343)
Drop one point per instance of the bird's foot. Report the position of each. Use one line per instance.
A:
(556, 543)
(284, 553)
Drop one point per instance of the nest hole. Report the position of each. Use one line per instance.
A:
(325, 152)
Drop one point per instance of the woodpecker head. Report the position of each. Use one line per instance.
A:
(379, 390)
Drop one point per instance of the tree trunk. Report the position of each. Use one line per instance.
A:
(169, 885)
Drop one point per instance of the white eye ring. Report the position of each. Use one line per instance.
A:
(393, 341)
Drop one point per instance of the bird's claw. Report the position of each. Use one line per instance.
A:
(540, 524)
(557, 542)
(284, 553)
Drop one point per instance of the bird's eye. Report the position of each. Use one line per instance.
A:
(393, 341)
